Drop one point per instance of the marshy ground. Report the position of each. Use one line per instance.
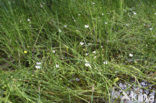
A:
(77, 51)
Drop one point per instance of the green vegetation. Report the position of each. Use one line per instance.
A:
(85, 47)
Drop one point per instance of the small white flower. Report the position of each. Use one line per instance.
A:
(87, 64)
(41, 5)
(60, 30)
(77, 79)
(134, 13)
(154, 13)
(28, 20)
(94, 57)
(93, 3)
(102, 14)
(101, 46)
(37, 67)
(81, 43)
(120, 85)
(151, 29)
(79, 14)
(94, 52)
(57, 66)
(89, 44)
(143, 83)
(53, 51)
(130, 55)
(105, 62)
(38, 63)
(87, 54)
(126, 24)
(86, 26)
(106, 23)
(65, 26)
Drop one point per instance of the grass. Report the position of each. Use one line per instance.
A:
(50, 32)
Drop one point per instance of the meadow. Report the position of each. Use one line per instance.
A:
(75, 51)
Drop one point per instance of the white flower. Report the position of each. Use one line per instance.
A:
(120, 85)
(37, 67)
(87, 54)
(143, 83)
(89, 44)
(53, 51)
(41, 5)
(60, 30)
(94, 52)
(79, 14)
(77, 79)
(86, 26)
(134, 13)
(94, 57)
(81, 43)
(93, 3)
(106, 23)
(28, 20)
(126, 24)
(57, 66)
(105, 62)
(102, 14)
(151, 29)
(65, 26)
(87, 64)
(154, 13)
(38, 63)
(131, 55)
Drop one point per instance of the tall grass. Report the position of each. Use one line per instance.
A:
(40, 27)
